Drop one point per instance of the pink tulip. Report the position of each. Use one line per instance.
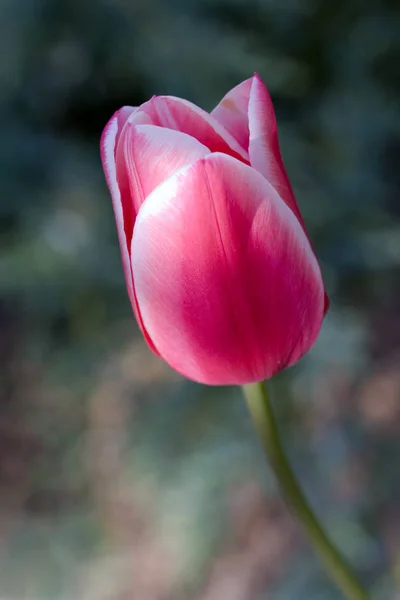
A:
(220, 272)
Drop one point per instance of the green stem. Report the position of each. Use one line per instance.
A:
(265, 424)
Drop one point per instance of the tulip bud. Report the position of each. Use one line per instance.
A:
(219, 269)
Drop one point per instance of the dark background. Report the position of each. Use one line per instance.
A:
(119, 480)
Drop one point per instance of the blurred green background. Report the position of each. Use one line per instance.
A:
(119, 480)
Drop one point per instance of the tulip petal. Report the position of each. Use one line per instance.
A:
(264, 151)
(146, 156)
(232, 112)
(228, 286)
(248, 114)
(152, 154)
(123, 114)
(108, 144)
(182, 115)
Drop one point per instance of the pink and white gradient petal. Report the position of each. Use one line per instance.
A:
(248, 114)
(232, 112)
(182, 115)
(108, 145)
(152, 154)
(264, 151)
(228, 286)
(149, 154)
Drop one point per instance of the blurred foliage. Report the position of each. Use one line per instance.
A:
(118, 480)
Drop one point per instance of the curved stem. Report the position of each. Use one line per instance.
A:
(265, 424)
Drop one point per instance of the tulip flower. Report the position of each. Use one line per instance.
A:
(219, 269)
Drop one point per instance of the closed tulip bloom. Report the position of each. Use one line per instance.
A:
(219, 269)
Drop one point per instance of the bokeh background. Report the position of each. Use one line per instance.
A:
(118, 479)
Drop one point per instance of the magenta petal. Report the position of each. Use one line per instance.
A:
(152, 154)
(146, 156)
(232, 112)
(264, 151)
(248, 114)
(121, 202)
(108, 144)
(227, 284)
(124, 114)
(182, 115)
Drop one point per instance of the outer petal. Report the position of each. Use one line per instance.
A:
(182, 115)
(228, 286)
(264, 151)
(248, 114)
(108, 145)
(146, 156)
